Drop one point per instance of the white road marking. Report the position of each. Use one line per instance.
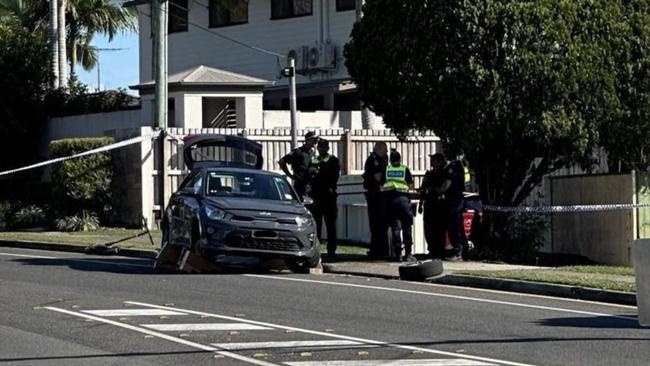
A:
(405, 362)
(334, 335)
(132, 312)
(203, 326)
(164, 336)
(27, 255)
(290, 344)
(457, 297)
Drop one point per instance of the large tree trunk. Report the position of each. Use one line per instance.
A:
(54, 41)
(63, 75)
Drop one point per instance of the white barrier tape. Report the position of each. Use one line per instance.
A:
(116, 145)
(569, 208)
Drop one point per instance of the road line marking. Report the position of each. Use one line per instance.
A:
(457, 297)
(334, 335)
(203, 326)
(165, 337)
(247, 346)
(27, 256)
(132, 312)
(405, 362)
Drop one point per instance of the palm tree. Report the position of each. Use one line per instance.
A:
(84, 20)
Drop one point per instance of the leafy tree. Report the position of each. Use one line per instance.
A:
(23, 87)
(520, 88)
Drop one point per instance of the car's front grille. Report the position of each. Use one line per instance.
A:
(246, 240)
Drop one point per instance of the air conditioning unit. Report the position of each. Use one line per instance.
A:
(321, 56)
(300, 54)
(314, 58)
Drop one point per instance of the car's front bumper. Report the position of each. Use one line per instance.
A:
(260, 239)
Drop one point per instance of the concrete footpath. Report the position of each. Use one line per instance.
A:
(390, 270)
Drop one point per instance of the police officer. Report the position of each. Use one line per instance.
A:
(299, 160)
(374, 174)
(432, 202)
(452, 188)
(398, 182)
(325, 170)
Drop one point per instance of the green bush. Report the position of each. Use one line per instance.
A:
(84, 183)
(85, 221)
(30, 216)
(5, 214)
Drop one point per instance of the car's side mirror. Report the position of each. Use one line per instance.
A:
(306, 200)
(192, 191)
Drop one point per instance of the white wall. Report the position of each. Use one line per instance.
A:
(196, 46)
(318, 120)
(90, 125)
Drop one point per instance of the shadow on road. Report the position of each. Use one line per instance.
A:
(602, 322)
(101, 355)
(129, 266)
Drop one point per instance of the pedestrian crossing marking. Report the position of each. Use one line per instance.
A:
(203, 326)
(405, 362)
(288, 344)
(132, 312)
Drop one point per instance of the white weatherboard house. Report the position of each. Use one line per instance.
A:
(212, 76)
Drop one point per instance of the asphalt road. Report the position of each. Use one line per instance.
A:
(70, 309)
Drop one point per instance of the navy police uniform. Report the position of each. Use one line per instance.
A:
(455, 173)
(375, 164)
(325, 171)
(435, 215)
(396, 187)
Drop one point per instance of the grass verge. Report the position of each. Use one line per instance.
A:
(558, 277)
(84, 238)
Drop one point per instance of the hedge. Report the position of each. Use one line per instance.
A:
(83, 183)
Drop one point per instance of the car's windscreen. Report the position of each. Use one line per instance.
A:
(249, 185)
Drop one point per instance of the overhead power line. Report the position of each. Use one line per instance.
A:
(217, 34)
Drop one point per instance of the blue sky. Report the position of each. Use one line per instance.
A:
(119, 69)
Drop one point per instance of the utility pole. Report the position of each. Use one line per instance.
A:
(367, 120)
(160, 15)
(292, 102)
(160, 34)
(54, 41)
(63, 75)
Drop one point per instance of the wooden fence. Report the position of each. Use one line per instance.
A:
(351, 146)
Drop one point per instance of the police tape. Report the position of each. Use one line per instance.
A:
(117, 145)
(565, 209)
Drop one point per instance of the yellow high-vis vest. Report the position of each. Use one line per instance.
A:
(396, 178)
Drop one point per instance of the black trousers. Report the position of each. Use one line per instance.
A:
(456, 232)
(325, 207)
(401, 220)
(435, 220)
(378, 224)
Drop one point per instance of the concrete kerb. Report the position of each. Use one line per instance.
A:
(59, 247)
(528, 287)
(537, 288)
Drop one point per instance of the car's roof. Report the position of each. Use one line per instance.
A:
(241, 170)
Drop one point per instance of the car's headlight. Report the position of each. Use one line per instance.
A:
(304, 220)
(214, 213)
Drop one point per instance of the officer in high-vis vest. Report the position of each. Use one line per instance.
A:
(325, 170)
(398, 183)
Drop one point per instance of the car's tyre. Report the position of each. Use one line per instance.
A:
(421, 270)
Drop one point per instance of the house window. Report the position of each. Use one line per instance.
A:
(177, 16)
(281, 9)
(228, 12)
(343, 5)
